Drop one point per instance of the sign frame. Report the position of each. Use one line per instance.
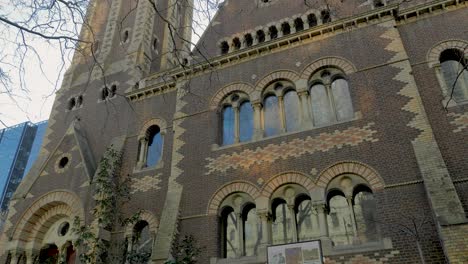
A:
(295, 246)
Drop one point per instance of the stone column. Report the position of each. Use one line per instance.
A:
(236, 125)
(349, 199)
(322, 219)
(142, 155)
(257, 112)
(240, 229)
(266, 234)
(292, 212)
(281, 114)
(306, 120)
(31, 255)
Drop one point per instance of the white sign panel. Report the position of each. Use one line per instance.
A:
(309, 252)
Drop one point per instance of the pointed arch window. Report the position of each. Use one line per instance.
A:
(237, 119)
(454, 66)
(330, 97)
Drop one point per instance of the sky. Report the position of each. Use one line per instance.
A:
(43, 74)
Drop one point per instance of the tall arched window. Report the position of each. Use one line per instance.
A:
(228, 125)
(340, 222)
(351, 211)
(306, 219)
(240, 227)
(150, 147)
(281, 108)
(271, 116)
(237, 119)
(283, 222)
(142, 243)
(455, 72)
(330, 97)
(246, 122)
(154, 146)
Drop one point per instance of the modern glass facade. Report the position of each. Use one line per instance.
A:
(19, 147)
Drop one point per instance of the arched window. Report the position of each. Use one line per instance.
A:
(454, 66)
(273, 31)
(271, 116)
(248, 39)
(237, 119)
(340, 222)
(312, 20)
(240, 226)
(330, 97)
(325, 15)
(224, 47)
(378, 3)
(351, 211)
(246, 122)
(260, 36)
(306, 219)
(281, 108)
(154, 146)
(364, 212)
(283, 222)
(150, 148)
(228, 125)
(299, 24)
(141, 244)
(286, 28)
(292, 111)
(236, 44)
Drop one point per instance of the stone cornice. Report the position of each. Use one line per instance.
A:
(165, 81)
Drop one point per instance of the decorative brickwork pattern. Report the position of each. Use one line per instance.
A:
(219, 96)
(433, 54)
(456, 243)
(460, 121)
(226, 190)
(361, 259)
(352, 136)
(146, 183)
(111, 28)
(277, 75)
(288, 177)
(338, 62)
(351, 167)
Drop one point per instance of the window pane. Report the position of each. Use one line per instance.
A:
(320, 105)
(228, 125)
(364, 211)
(342, 99)
(282, 227)
(291, 111)
(340, 224)
(307, 221)
(272, 118)
(246, 124)
(154, 149)
(253, 233)
(450, 70)
(232, 236)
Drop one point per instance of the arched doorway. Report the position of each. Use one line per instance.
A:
(49, 254)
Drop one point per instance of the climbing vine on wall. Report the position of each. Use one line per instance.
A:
(94, 248)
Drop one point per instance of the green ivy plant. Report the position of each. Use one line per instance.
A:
(185, 251)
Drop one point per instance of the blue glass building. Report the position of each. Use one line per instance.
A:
(19, 147)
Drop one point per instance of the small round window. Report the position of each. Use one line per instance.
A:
(63, 162)
(63, 228)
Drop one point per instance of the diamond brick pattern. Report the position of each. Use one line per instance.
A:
(460, 121)
(324, 142)
(146, 183)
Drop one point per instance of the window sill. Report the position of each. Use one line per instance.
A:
(136, 169)
(216, 147)
(329, 250)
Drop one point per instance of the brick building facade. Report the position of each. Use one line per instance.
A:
(291, 120)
